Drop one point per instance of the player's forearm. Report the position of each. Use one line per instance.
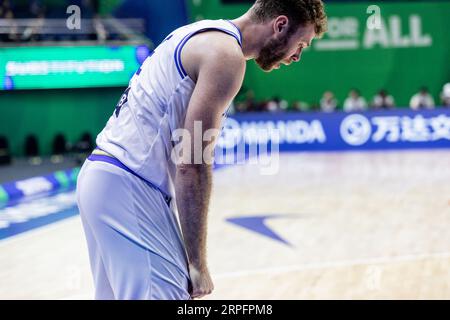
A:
(193, 189)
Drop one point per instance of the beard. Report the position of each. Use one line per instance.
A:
(272, 53)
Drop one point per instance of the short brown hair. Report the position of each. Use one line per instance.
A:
(299, 12)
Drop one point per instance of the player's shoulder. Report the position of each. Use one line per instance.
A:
(225, 54)
(218, 45)
(215, 51)
(227, 48)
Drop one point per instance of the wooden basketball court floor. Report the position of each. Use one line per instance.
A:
(353, 225)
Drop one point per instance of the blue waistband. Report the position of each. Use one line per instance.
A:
(117, 163)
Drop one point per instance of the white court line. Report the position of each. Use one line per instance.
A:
(302, 267)
(33, 232)
(336, 264)
(273, 270)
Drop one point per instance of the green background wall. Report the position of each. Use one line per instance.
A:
(401, 70)
(48, 112)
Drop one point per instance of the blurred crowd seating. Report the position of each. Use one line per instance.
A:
(383, 100)
(25, 21)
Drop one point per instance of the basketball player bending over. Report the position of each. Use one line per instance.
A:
(130, 190)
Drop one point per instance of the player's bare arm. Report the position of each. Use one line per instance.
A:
(218, 71)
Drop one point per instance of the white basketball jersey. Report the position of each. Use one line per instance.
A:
(139, 133)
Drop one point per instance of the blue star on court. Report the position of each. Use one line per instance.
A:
(257, 224)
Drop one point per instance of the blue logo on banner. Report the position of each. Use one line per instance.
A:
(355, 129)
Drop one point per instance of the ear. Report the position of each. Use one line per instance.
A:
(281, 25)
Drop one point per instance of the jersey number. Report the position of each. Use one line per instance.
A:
(123, 99)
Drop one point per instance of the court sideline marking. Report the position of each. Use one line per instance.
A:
(336, 264)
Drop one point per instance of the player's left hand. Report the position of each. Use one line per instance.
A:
(201, 282)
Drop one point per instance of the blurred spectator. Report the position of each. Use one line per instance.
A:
(4, 6)
(36, 10)
(383, 100)
(422, 100)
(299, 106)
(249, 104)
(328, 103)
(277, 104)
(5, 155)
(314, 107)
(10, 33)
(27, 19)
(261, 106)
(32, 150)
(83, 147)
(445, 95)
(59, 148)
(355, 102)
(100, 31)
(85, 144)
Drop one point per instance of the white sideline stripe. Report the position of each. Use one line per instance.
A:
(337, 264)
(33, 232)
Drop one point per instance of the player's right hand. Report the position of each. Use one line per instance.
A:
(201, 282)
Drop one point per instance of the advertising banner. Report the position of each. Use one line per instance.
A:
(69, 67)
(376, 130)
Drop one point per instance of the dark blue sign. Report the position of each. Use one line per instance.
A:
(372, 130)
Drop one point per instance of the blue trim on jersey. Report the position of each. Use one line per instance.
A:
(177, 53)
(239, 30)
(117, 163)
(177, 63)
